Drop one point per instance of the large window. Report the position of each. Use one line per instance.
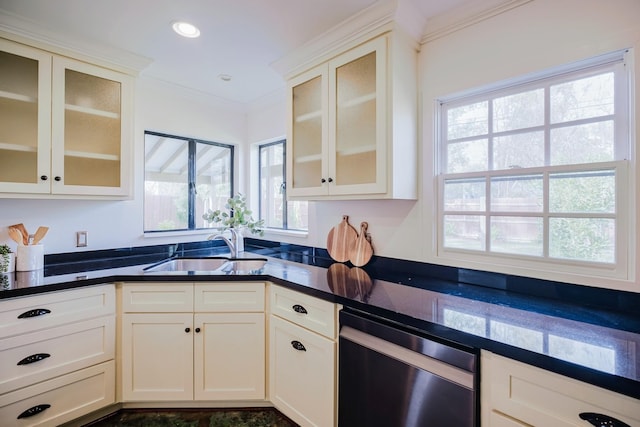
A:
(275, 210)
(183, 179)
(537, 170)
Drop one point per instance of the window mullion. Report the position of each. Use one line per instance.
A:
(192, 185)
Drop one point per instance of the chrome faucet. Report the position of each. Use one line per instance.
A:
(231, 243)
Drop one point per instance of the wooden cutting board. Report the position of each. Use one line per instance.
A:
(360, 251)
(340, 239)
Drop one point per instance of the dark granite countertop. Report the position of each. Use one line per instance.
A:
(594, 345)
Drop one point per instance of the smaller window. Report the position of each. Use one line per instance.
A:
(183, 179)
(275, 210)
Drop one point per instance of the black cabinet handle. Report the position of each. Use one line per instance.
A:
(34, 313)
(33, 358)
(330, 180)
(44, 177)
(35, 410)
(299, 309)
(323, 180)
(57, 178)
(197, 330)
(298, 345)
(187, 330)
(601, 420)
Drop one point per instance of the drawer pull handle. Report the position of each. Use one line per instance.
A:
(34, 313)
(33, 358)
(600, 420)
(298, 345)
(35, 410)
(299, 309)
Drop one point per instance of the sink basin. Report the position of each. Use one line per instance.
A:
(188, 264)
(212, 265)
(244, 265)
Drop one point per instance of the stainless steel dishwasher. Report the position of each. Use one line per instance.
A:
(392, 377)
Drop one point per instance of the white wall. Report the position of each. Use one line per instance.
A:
(533, 37)
(112, 224)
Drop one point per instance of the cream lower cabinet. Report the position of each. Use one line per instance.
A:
(515, 395)
(185, 341)
(57, 355)
(303, 354)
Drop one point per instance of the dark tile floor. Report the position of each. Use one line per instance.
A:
(263, 417)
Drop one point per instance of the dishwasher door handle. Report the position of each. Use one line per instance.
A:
(420, 361)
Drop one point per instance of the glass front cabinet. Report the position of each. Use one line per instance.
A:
(64, 125)
(340, 142)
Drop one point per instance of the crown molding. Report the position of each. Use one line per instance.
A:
(465, 16)
(27, 32)
(377, 19)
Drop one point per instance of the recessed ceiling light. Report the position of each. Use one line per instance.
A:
(186, 30)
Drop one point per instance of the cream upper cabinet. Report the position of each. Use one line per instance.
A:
(352, 132)
(65, 126)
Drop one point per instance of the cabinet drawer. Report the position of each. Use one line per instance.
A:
(538, 397)
(312, 313)
(61, 399)
(29, 358)
(27, 314)
(229, 297)
(157, 297)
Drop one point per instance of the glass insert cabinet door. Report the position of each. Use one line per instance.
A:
(307, 143)
(87, 128)
(357, 119)
(25, 120)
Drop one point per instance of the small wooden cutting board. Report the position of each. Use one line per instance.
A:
(340, 239)
(361, 251)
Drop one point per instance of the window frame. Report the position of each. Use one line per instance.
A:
(622, 164)
(285, 207)
(192, 181)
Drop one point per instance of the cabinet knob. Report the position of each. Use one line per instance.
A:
(34, 358)
(601, 420)
(187, 330)
(34, 313)
(34, 410)
(299, 309)
(298, 345)
(57, 178)
(197, 330)
(323, 180)
(44, 177)
(330, 179)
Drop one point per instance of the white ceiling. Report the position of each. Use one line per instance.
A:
(240, 38)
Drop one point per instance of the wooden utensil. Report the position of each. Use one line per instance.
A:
(360, 251)
(23, 231)
(39, 235)
(15, 235)
(340, 238)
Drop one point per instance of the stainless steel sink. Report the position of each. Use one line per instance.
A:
(212, 265)
(244, 266)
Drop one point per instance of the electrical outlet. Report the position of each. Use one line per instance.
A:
(82, 239)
